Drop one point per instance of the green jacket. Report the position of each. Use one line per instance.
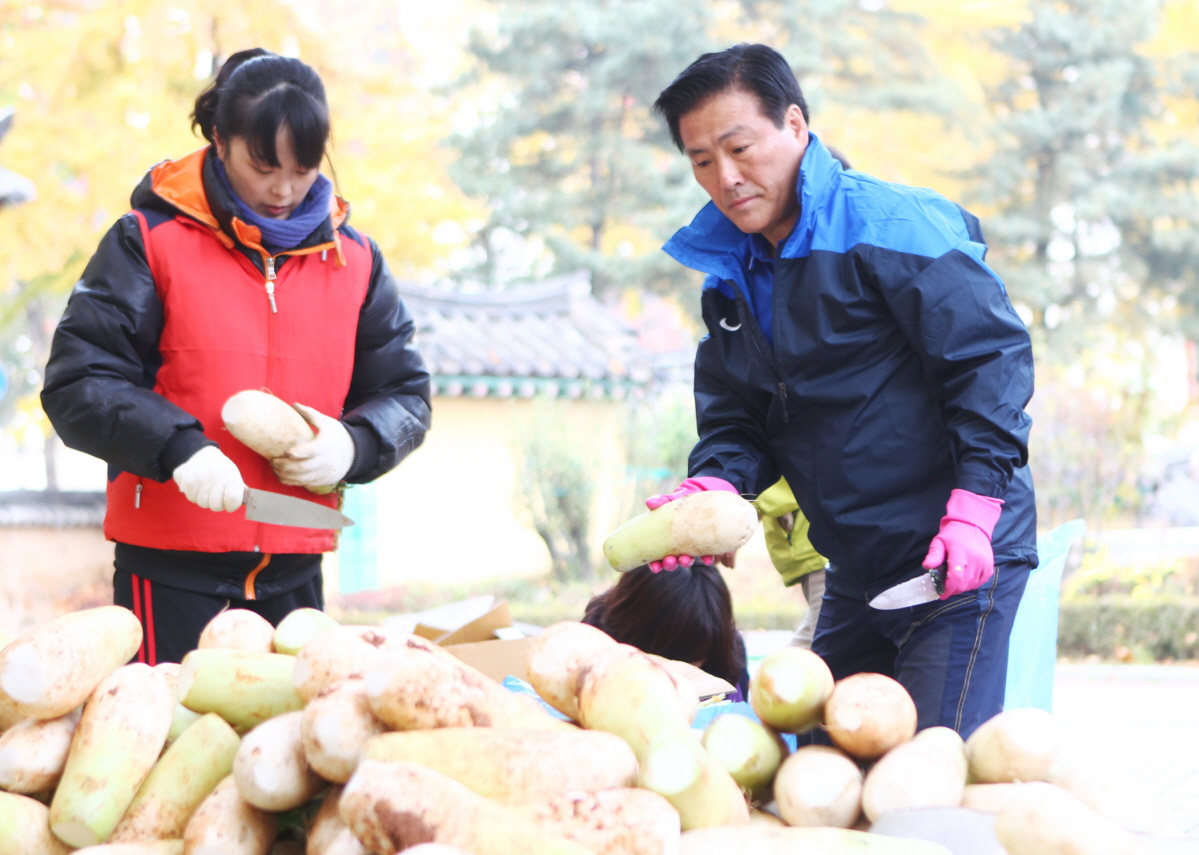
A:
(790, 550)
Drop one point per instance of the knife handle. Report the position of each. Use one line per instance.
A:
(938, 577)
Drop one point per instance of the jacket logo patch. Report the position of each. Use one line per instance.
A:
(724, 324)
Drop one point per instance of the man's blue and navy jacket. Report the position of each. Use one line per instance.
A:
(899, 371)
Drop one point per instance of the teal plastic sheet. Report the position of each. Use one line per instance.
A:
(1032, 651)
(357, 562)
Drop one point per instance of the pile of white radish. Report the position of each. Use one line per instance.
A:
(325, 739)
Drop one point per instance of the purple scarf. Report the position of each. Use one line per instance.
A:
(280, 235)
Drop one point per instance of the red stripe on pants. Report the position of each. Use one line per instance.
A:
(137, 613)
(152, 658)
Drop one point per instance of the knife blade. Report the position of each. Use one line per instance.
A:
(923, 589)
(277, 509)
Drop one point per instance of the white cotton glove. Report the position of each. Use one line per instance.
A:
(211, 480)
(323, 460)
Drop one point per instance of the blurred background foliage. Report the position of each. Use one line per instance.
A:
(487, 142)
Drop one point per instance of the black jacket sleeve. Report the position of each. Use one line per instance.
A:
(98, 392)
(956, 315)
(387, 409)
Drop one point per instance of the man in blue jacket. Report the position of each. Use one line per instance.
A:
(858, 346)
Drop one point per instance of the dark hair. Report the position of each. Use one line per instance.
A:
(684, 614)
(255, 93)
(756, 69)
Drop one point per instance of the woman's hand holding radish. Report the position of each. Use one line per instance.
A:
(323, 460)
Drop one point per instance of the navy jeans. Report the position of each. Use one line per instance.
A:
(950, 655)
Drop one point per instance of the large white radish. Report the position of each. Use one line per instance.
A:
(298, 628)
(137, 847)
(790, 689)
(411, 688)
(25, 828)
(685, 691)
(1044, 819)
(617, 821)
(183, 718)
(394, 805)
(329, 834)
(120, 735)
(335, 726)
(514, 765)
(226, 824)
(624, 692)
(558, 655)
(678, 768)
(927, 771)
(34, 752)
(267, 425)
(869, 714)
(270, 768)
(334, 654)
(241, 687)
(53, 668)
(8, 711)
(819, 786)
(9, 714)
(1015, 745)
(182, 778)
(705, 523)
(239, 629)
(747, 750)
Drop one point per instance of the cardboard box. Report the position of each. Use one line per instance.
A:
(482, 628)
(497, 659)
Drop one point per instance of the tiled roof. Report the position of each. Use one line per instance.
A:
(551, 337)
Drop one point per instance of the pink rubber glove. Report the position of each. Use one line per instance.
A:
(964, 542)
(689, 486)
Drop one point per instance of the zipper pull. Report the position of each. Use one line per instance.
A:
(137, 497)
(783, 399)
(270, 282)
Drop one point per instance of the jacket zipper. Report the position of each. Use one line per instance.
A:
(270, 282)
(137, 495)
(270, 348)
(759, 340)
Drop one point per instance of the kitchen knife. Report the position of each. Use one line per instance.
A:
(923, 589)
(265, 506)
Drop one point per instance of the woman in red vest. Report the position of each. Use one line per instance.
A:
(235, 270)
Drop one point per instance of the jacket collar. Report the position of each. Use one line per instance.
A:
(190, 186)
(712, 244)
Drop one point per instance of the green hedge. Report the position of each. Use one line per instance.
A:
(1137, 630)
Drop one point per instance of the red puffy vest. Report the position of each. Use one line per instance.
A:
(222, 334)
